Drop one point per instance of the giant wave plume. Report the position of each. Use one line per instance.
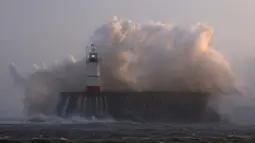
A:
(134, 56)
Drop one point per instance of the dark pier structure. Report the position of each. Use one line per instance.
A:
(138, 106)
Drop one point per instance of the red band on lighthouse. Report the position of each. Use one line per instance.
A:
(93, 89)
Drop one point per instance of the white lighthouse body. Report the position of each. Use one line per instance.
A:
(93, 71)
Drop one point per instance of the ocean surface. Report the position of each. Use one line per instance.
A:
(37, 130)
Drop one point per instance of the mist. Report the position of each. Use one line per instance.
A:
(34, 32)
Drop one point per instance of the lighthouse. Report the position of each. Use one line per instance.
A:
(93, 70)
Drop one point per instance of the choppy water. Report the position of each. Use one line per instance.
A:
(127, 132)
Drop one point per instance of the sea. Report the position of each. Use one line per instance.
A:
(77, 129)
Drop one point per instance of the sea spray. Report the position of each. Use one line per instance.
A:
(136, 57)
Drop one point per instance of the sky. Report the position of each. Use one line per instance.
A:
(32, 31)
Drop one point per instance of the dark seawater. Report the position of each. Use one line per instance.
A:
(126, 132)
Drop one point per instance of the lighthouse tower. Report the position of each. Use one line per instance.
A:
(93, 71)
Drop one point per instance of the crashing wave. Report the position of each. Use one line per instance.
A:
(137, 57)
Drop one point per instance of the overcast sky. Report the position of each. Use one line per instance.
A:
(44, 30)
